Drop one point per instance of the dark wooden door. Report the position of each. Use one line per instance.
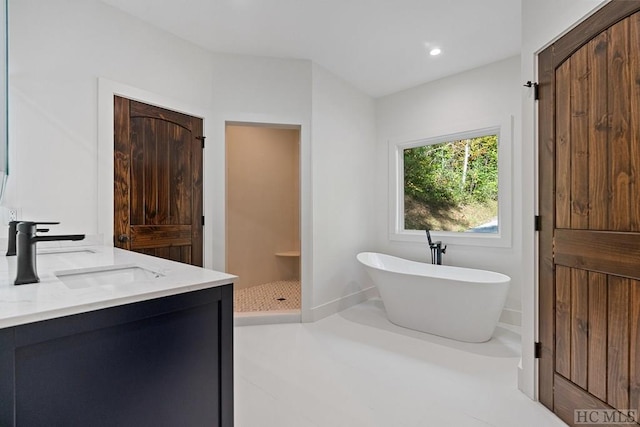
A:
(589, 178)
(157, 181)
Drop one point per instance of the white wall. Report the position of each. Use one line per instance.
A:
(57, 51)
(488, 93)
(258, 90)
(343, 135)
(542, 22)
(61, 49)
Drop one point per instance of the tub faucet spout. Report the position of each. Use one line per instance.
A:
(437, 250)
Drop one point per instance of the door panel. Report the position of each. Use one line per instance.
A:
(161, 153)
(158, 182)
(590, 207)
(619, 141)
(606, 252)
(597, 333)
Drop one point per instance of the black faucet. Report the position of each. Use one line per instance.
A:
(436, 249)
(11, 247)
(26, 240)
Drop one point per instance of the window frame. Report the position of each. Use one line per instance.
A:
(503, 128)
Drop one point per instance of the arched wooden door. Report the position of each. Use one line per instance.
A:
(157, 181)
(589, 180)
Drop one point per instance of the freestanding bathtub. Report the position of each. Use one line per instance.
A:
(459, 303)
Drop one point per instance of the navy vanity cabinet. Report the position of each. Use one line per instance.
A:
(160, 362)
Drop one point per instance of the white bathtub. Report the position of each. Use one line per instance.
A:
(459, 303)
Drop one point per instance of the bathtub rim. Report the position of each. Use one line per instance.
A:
(439, 271)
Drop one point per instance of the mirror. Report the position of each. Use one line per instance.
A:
(4, 138)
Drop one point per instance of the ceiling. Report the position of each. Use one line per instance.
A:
(379, 46)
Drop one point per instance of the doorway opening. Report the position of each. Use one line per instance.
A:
(263, 217)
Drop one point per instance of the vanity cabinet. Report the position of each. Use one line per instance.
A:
(161, 362)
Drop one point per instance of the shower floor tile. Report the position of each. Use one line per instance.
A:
(273, 296)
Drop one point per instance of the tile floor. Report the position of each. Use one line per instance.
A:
(356, 369)
(282, 295)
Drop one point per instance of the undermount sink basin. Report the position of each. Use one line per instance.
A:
(103, 276)
(65, 251)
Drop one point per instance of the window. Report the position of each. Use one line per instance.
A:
(456, 185)
(452, 186)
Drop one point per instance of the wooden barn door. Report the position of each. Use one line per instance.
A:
(157, 181)
(589, 180)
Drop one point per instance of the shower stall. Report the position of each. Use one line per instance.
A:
(263, 216)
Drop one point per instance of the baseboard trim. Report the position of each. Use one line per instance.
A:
(342, 303)
(511, 317)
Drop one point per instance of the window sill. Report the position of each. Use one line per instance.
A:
(497, 240)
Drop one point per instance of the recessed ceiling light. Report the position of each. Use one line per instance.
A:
(435, 51)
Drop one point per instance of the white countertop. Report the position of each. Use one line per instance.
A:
(53, 297)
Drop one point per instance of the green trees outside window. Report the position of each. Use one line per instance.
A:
(452, 186)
